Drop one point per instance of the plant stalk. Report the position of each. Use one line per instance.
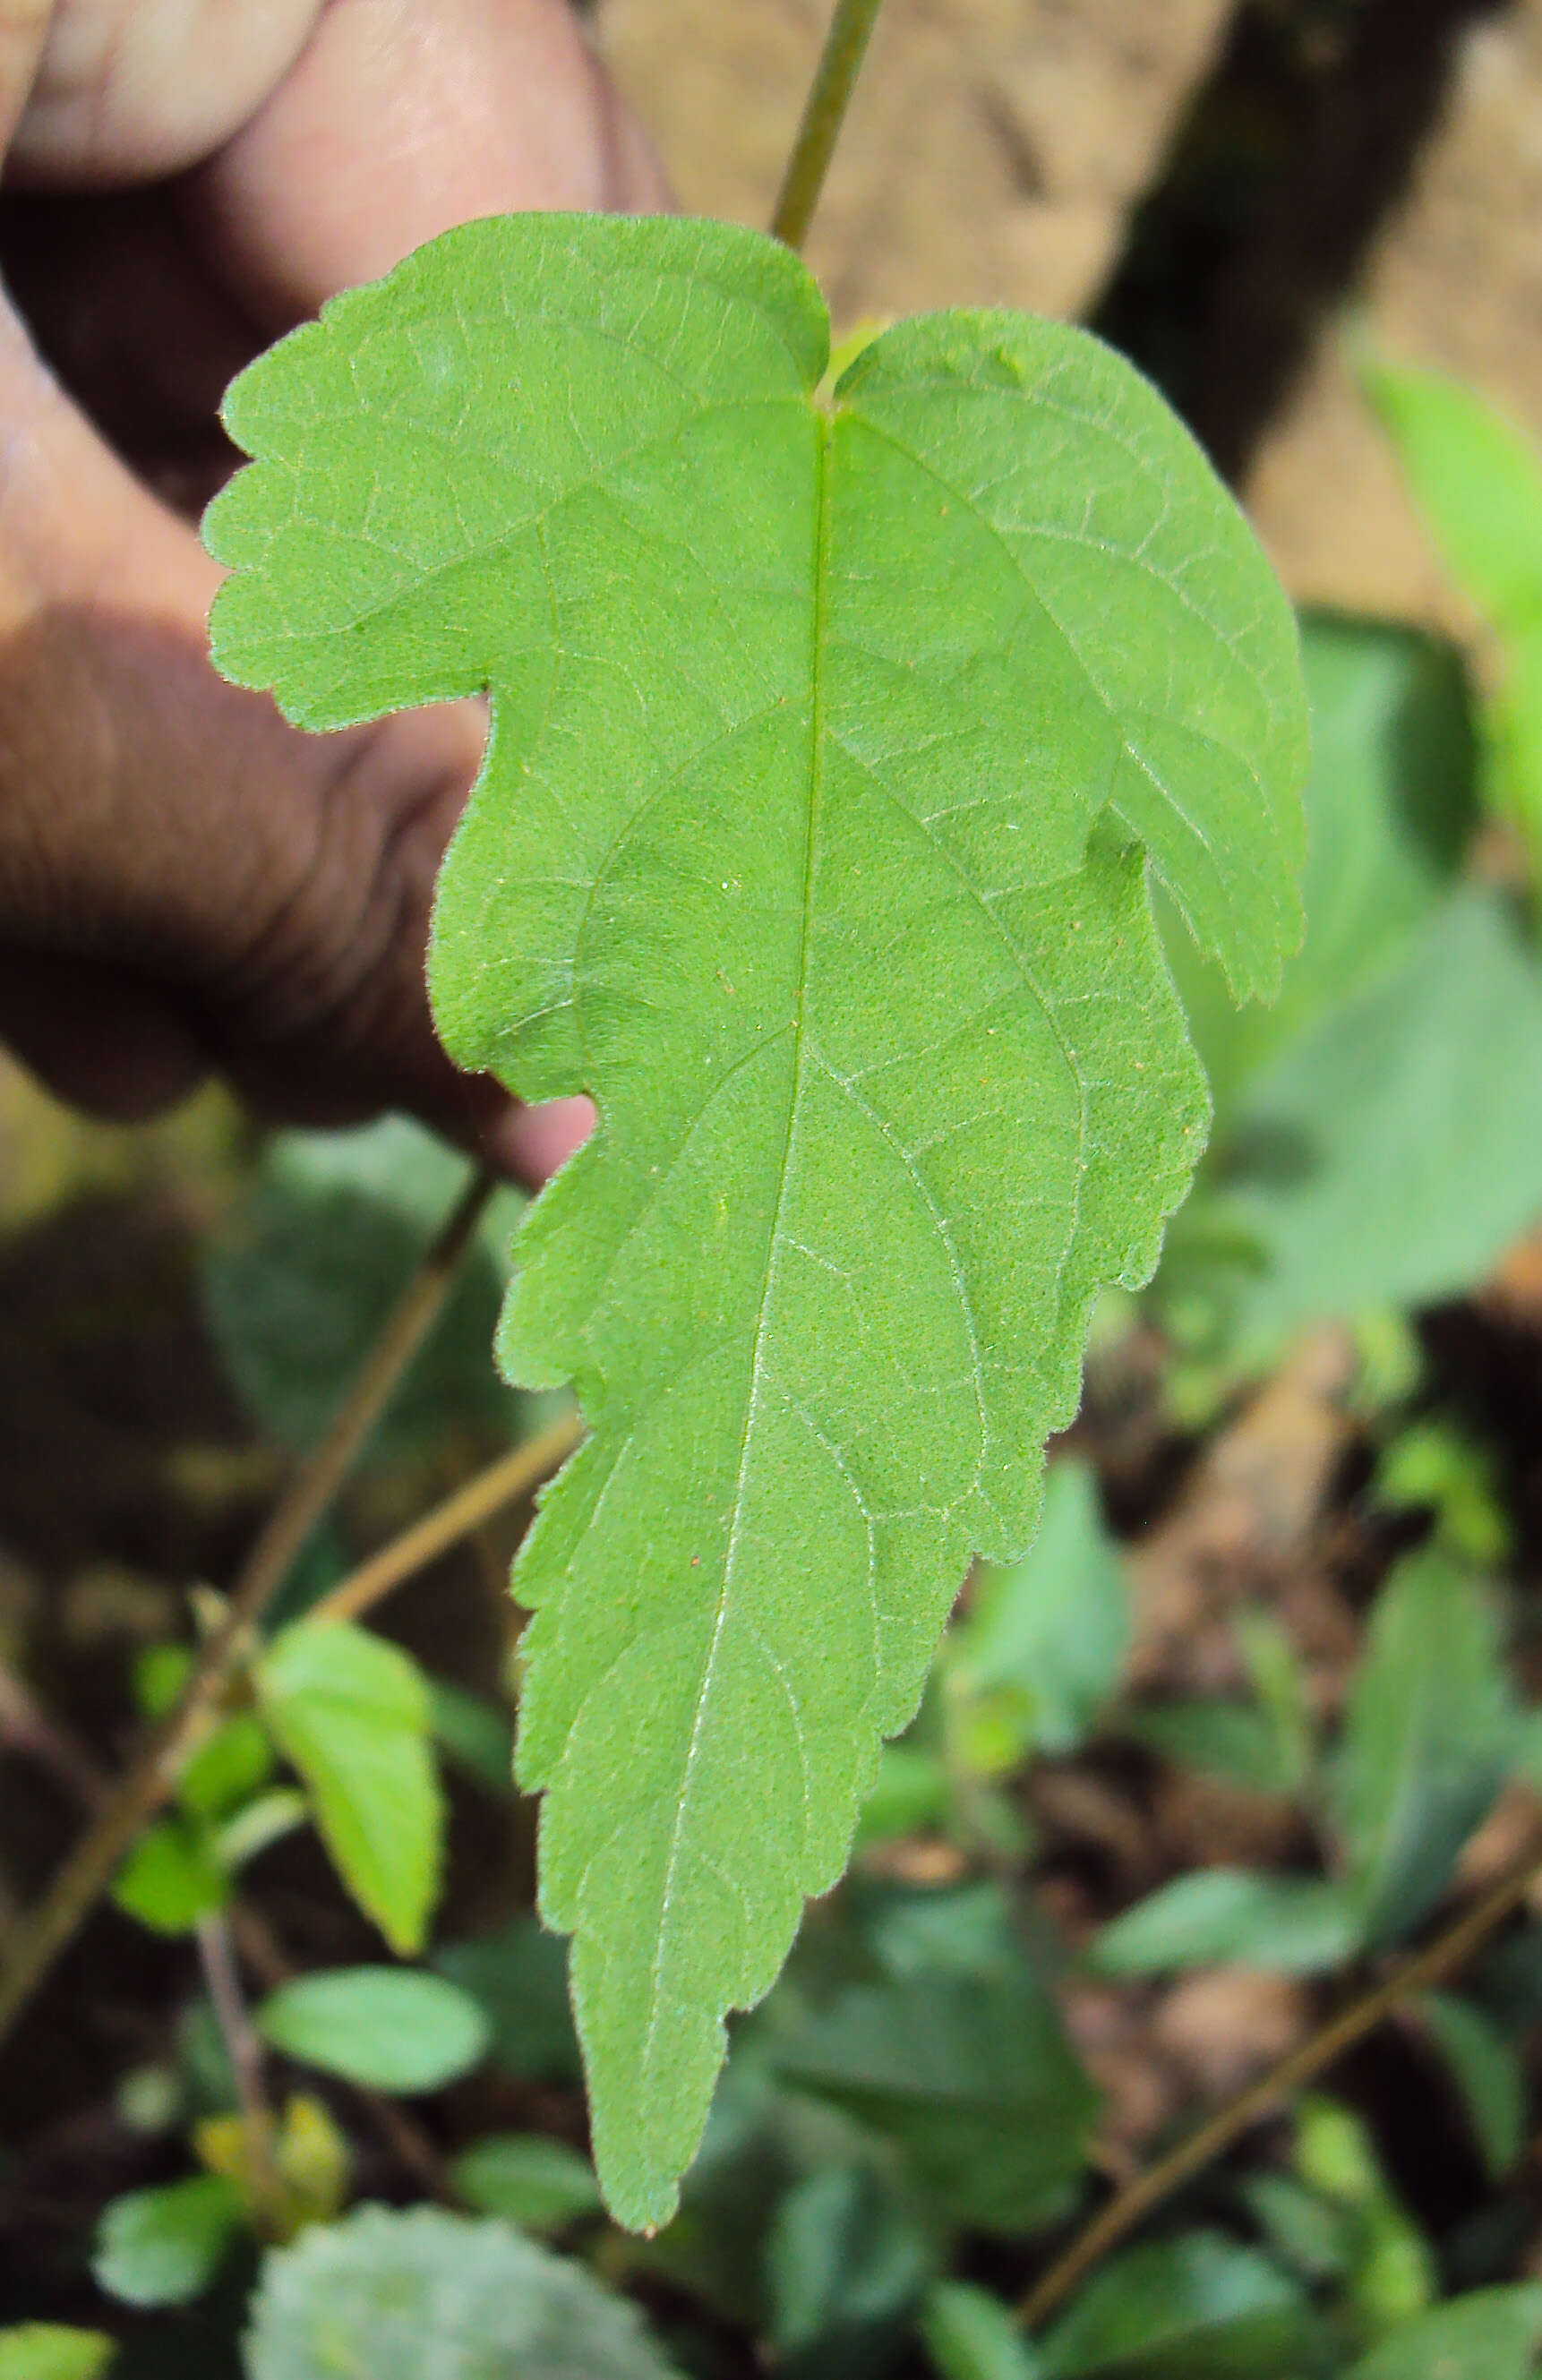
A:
(503, 1482)
(1130, 2206)
(91, 1867)
(823, 114)
(218, 1957)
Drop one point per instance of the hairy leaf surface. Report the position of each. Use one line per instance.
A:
(828, 747)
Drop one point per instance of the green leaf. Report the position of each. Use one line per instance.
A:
(1478, 483)
(227, 1767)
(1194, 2308)
(429, 2296)
(1430, 1728)
(1488, 2073)
(528, 2178)
(1225, 1739)
(1489, 2334)
(45, 2350)
(171, 1878)
(1390, 1155)
(520, 1978)
(478, 1736)
(1296, 1925)
(1390, 808)
(391, 2028)
(911, 1791)
(970, 2075)
(299, 1282)
(354, 1714)
(969, 2335)
(845, 2258)
(1056, 1626)
(807, 839)
(164, 2247)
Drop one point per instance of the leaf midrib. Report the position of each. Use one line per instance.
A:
(815, 777)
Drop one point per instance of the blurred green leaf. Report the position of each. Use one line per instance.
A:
(299, 1287)
(1278, 1681)
(1305, 2231)
(910, 1792)
(845, 2258)
(44, 2351)
(390, 2028)
(1295, 1926)
(1192, 2308)
(1433, 1463)
(353, 1714)
(1429, 1730)
(1054, 1627)
(1389, 2270)
(528, 2178)
(970, 2075)
(227, 1767)
(432, 2296)
(520, 1978)
(1477, 482)
(1390, 809)
(162, 2247)
(263, 1821)
(171, 1878)
(1487, 2074)
(1389, 1155)
(1490, 2335)
(476, 1735)
(969, 2335)
(1222, 1739)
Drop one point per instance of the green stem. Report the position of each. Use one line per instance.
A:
(91, 1867)
(1130, 2206)
(823, 114)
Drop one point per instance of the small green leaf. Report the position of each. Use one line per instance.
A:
(44, 2351)
(846, 2257)
(1489, 2334)
(172, 1877)
(429, 2296)
(227, 1767)
(1429, 1730)
(1279, 1681)
(391, 2028)
(1224, 1739)
(831, 744)
(969, 2335)
(476, 1735)
(1194, 2308)
(911, 1791)
(970, 2075)
(299, 1283)
(164, 2247)
(1056, 1626)
(1227, 1916)
(354, 1714)
(1392, 1153)
(1488, 2073)
(528, 2178)
(1390, 808)
(266, 1820)
(520, 1978)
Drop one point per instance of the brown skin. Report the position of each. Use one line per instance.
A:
(187, 884)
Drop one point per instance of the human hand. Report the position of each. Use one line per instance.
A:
(186, 883)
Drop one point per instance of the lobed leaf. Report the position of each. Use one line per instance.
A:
(827, 746)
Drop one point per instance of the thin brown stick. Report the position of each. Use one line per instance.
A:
(90, 1869)
(217, 1956)
(503, 1482)
(1131, 2204)
(411, 2147)
(824, 112)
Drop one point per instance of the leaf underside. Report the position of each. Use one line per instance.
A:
(808, 840)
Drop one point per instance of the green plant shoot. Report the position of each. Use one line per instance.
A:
(830, 745)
